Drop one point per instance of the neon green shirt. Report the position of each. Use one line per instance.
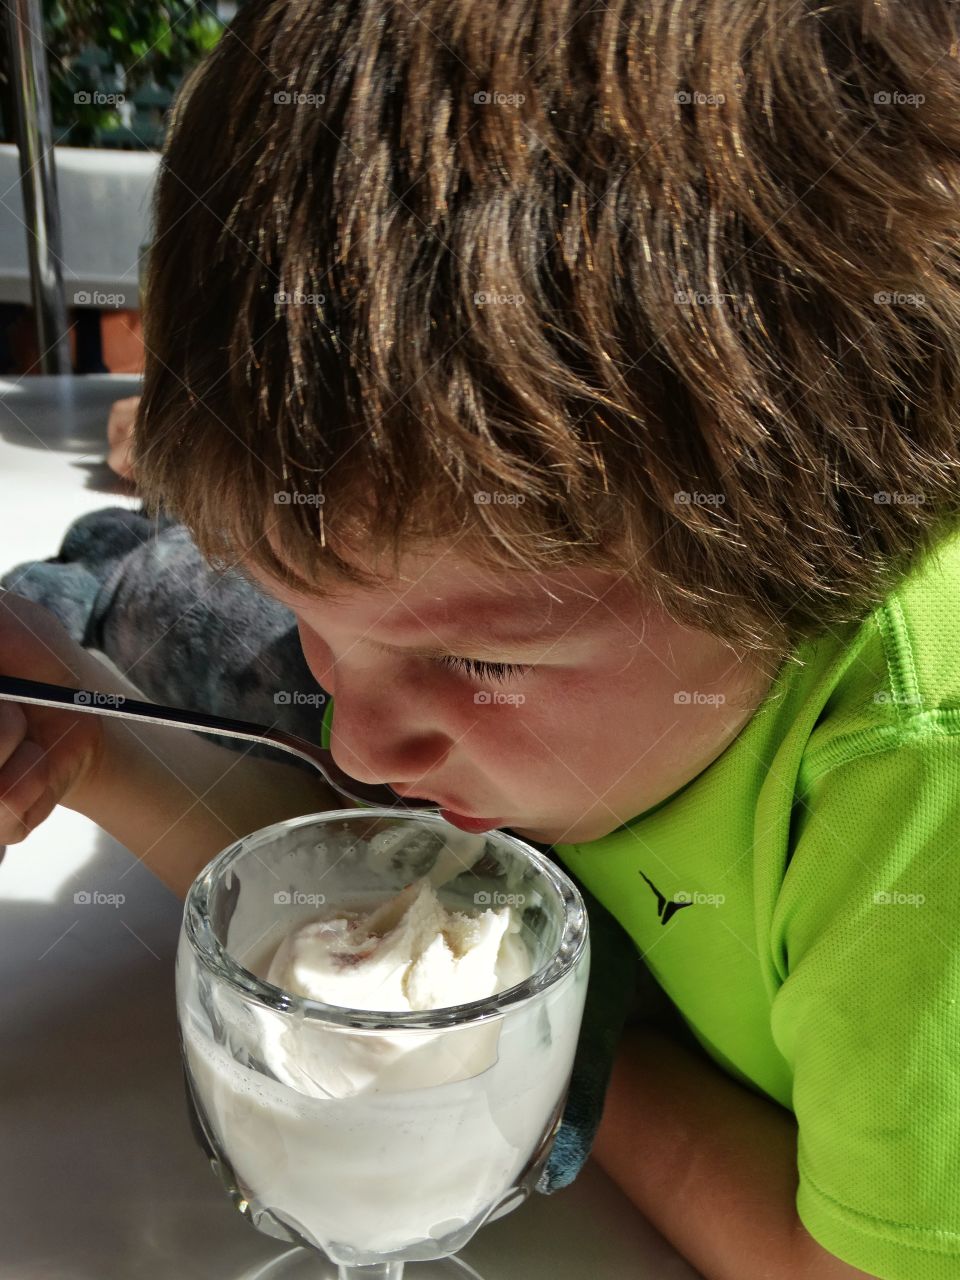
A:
(799, 902)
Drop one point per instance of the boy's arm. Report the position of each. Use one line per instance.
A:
(712, 1165)
(175, 799)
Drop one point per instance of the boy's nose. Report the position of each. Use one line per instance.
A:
(377, 750)
(383, 764)
(373, 736)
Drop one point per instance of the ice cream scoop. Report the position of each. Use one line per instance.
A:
(411, 952)
(408, 953)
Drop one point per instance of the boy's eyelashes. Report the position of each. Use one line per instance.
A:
(499, 671)
(474, 667)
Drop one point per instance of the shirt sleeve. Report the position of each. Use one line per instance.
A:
(866, 934)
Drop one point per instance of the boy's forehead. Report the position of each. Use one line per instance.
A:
(439, 588)
(497, 604)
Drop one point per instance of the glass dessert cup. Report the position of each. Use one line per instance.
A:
(378, 1140)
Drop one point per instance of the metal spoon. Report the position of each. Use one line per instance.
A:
(13, 689)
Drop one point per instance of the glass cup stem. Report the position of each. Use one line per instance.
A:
(379, 1271)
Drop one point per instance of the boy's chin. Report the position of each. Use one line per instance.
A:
(526, 833)
(569, 835)
(534, 835)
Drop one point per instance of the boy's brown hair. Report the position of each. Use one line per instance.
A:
(668, 287)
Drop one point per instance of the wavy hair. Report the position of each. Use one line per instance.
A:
(668, 287)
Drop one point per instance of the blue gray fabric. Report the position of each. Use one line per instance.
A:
(137, 589)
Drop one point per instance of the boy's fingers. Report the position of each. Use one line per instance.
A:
(120, 437)
(32, 641)
(122, 417)
(23, 784)
(13, 729)
(120, 460)
(40, 810)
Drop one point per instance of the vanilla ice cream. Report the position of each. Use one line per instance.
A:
(432, 1127)
(409, 953)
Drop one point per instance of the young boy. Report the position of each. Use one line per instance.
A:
(585, 379)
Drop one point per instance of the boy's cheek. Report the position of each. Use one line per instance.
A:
(317, 656)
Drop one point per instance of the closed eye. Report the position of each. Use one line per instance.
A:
(498, 671)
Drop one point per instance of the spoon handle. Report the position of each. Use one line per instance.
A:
(15, 689)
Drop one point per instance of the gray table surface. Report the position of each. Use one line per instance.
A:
(99, 1174)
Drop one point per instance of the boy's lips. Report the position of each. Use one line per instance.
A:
(475, 825)
(456, 817)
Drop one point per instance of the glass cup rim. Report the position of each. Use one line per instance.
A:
(209, 951)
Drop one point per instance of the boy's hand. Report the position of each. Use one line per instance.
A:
(120, 436)
(171, 797)
(47, 756)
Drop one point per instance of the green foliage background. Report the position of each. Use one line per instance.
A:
(154, 44)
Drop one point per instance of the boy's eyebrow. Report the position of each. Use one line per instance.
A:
(474, 642)
(489, 637)
(490, 631)
(477, 639)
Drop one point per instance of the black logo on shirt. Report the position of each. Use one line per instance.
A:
(665, 910)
